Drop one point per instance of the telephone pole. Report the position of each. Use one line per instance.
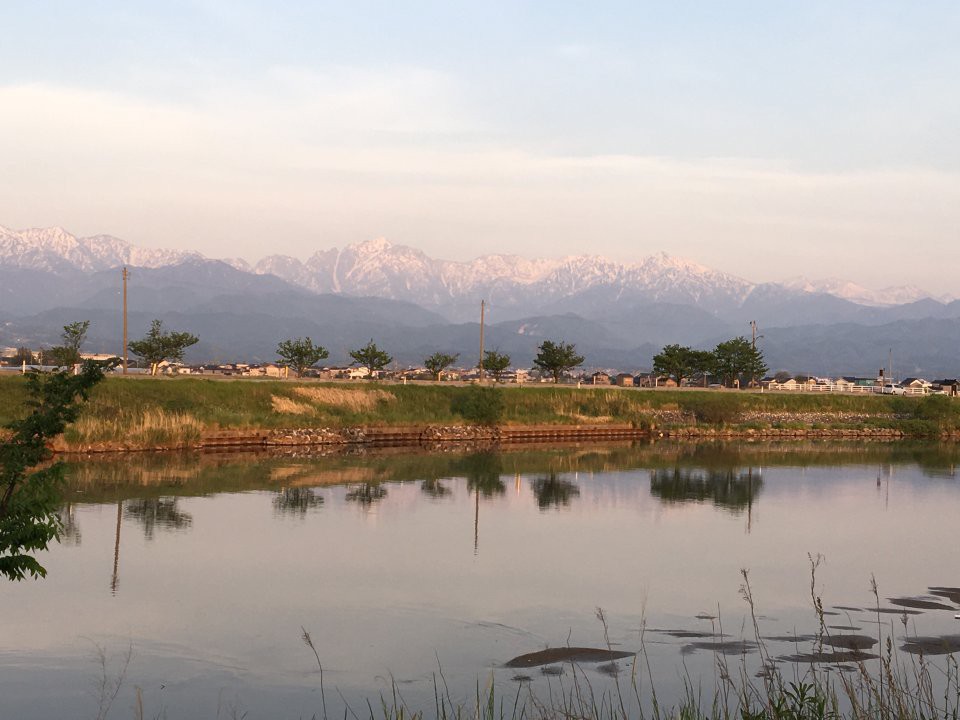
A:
(126, 274)
(753, 333)
(483, 306)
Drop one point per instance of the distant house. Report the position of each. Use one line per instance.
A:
(652, 380)
(600, 378)
(917, 386)
(860, 381)
(624, 380)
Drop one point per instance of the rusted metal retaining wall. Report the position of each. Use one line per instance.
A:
(417, 435)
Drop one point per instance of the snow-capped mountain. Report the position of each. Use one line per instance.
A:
(886, 297)
(381, 269)
(515, 286)
(56, 250)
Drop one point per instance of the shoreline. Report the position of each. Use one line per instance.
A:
(428, 436)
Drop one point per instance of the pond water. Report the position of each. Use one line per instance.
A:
(191, 579)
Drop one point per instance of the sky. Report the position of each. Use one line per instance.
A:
(766, 139)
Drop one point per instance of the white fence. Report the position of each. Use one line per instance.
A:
(841, 388)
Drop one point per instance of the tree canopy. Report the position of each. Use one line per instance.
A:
(73, 337)
(157, 345)
(680, 362)
(554, 359)
(29, 489)
(438, 362)
(301, 354)
(496, 364)
(738, 359)
(371, 357)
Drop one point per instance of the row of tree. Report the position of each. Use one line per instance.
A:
(733, 362)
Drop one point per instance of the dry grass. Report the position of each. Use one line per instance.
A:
(289, 407)
(150, 428)
(355, 400)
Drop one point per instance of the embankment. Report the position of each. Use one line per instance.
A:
(165, 413)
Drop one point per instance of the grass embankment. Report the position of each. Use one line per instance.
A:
(145, 412)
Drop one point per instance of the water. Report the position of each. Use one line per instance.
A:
(205, 570)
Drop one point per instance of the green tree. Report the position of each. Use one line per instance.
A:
(73, 337)
(30, 490)
(438, 362)
(157, 345)
(22, 356)
(737, 359)
(678, 362)
(372, 357)
(301, 354)
(554, 359)
(496, 364)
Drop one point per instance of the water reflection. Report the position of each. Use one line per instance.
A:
(554, 491)
(69, 527)
(296, 501)
(154, 513)
(482, 471)
(734, 490)
(366, 494)
(434, 488)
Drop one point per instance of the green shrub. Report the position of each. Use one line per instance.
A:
(479, 405)
(713, 408)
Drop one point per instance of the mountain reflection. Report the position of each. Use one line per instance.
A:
(366, 494)
(155, 513)
(731, 489)
(482, 471)
(554, 491)
(296, 501)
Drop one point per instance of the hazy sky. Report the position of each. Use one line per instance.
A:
(768, 139)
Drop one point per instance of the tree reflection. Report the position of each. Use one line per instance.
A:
(296, 501)
(731, 489)
(554, 491)
(366, 494)
(155, 513)
(69, 528)
(434, 488)
(482, 471)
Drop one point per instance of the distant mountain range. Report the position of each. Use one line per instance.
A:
(619, 314)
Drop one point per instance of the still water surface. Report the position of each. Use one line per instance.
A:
(205, 569)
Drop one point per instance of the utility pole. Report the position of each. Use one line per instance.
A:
(126, 274)
(483, 307)
(753, 333)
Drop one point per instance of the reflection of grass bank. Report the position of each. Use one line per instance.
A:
(170, 411)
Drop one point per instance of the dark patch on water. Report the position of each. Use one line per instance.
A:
(932, 645)
(898, 611)
(566, 654)
(847, 608)
(689, 633)
(791, 638)
(610, 669)
(950, 593)
(704, 616)
(850, 642)
(724, 647)
(845, 627)
(522, 678)
(830, 612)
(552, 670)
(920, 603)
(834, 658)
